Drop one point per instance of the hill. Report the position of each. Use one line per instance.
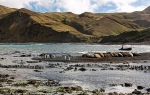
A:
(5, 10)
(23, 25)
(142, 36)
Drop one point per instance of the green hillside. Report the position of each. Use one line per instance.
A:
(128, 37)
(23, 25)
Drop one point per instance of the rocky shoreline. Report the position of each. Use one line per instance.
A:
(14, 82)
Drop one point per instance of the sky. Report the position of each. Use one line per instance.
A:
(78, 6)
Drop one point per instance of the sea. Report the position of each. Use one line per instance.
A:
(69, 48)
(88, 80)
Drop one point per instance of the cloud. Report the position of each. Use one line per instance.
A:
(78, 6)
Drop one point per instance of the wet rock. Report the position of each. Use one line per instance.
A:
(19, 91)
(25, 55)
(136, 92)
(83, 94)
(69, 68)
(82, 69)
(37, 71)
(148, 90)
(93, 69)
(31, 81)
(16, 52)
(113, 93)
(69, 89)
(76, 88)
(122, 85)
(32, 61)
(111, 85)
(140, 87)
(128, 85)
(1, 85)
(12, 78)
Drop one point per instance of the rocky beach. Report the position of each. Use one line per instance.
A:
(50, 74)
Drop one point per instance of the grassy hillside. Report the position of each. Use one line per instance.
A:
(5, 10)
(23, 25)
(126, 37)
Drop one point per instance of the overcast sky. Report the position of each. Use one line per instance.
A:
(78, 6)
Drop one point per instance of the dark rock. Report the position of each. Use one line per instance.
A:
(32, 82)
(148, 90)
(76, 88)
(25, 55)
(137, 92)
(140, 87)
(127, 84)
(16, 52)
(111, 85)
(93, 69)
(82, 69)
(37, 71)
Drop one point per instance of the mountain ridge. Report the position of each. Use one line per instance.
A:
(23, 25)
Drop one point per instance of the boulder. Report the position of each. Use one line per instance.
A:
(137, 92)
(127, 84)
(140, 87)
(82, 69)
(148, 90)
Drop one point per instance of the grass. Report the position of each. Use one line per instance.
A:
(130, 36)
(45, 27)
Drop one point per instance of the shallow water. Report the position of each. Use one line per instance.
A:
(67, 48)
(88, 79)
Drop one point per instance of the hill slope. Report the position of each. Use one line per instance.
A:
(128, 37)
(5, 10)
(22, 25)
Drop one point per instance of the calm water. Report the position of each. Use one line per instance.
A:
(87, 79)
(67, 48)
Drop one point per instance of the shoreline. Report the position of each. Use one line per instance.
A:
(20, 65)
(144, 57)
